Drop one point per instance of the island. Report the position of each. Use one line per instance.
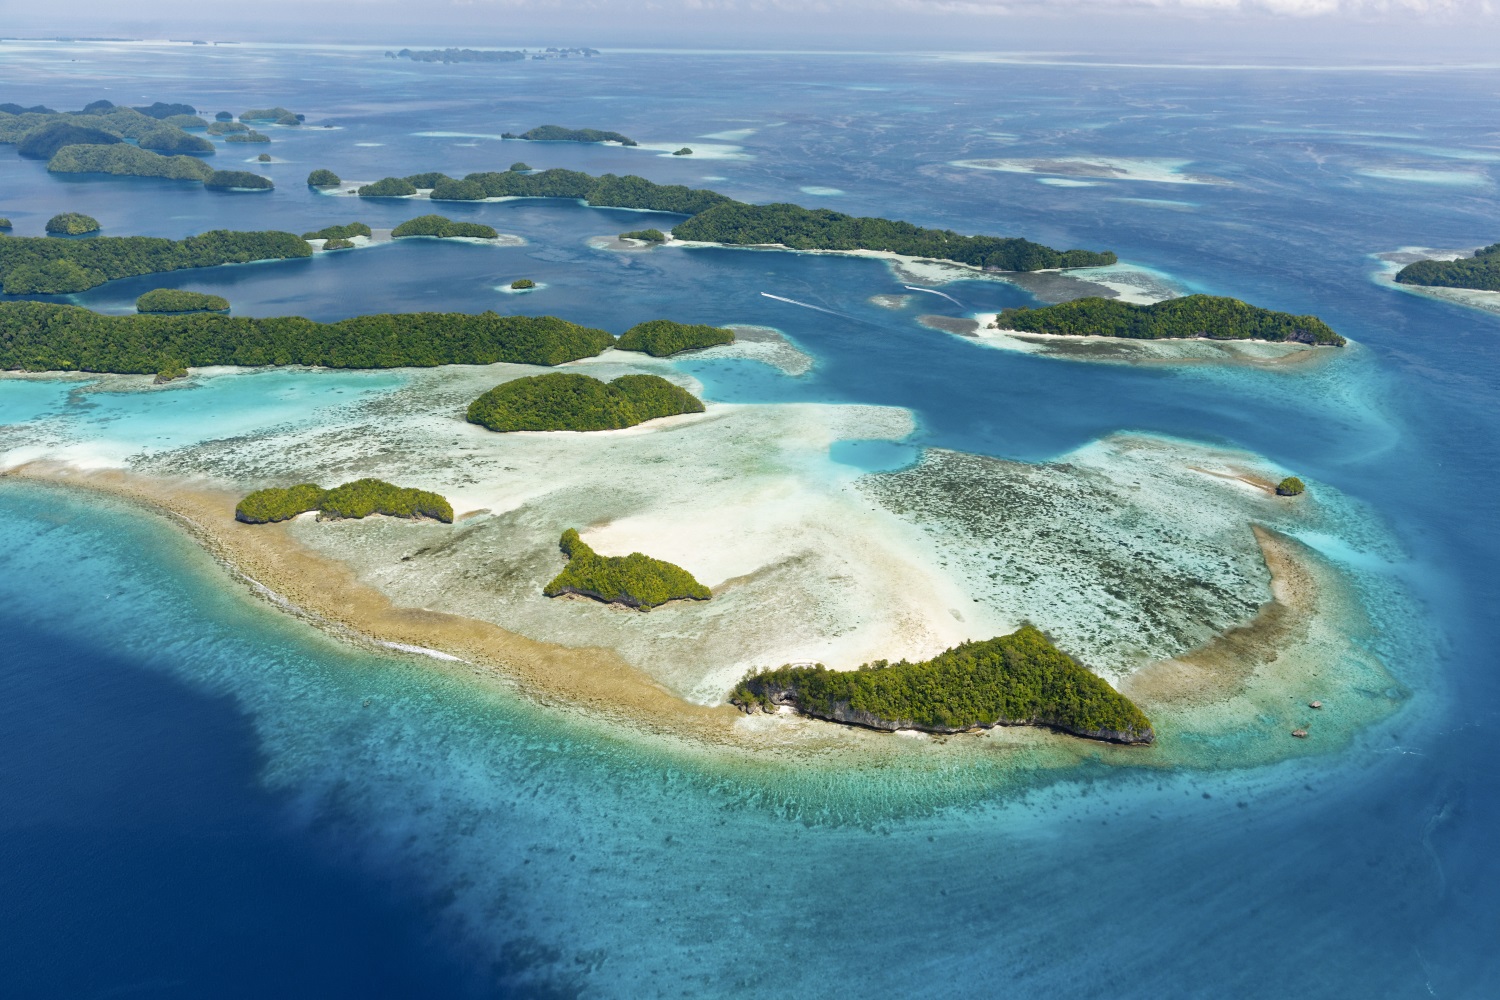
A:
(248, 136)
(556, 133)
(1480, 272)
(520, 166)
(662, 338)
(185, 121)
(41, 143)
(278, 115)
(157, 109)
(389, 187)
(44, 336)
(1020, 679)
(458, 55)
(339, 232)
(443, 228)
(224, 116)
(263, 158)
(563, 401)
(125, 160)
(716, 218)
(357, 499)
(323, 179)
(227, 128)
(72, 224)
(4, 223)
(237, 180)
(175, 300)
(1291, 486)
(645, 235)
(339, 243)
(522, 284)
(105, 258)
(169, 141)
(684, 151)
(1212, 317)
(636, 581)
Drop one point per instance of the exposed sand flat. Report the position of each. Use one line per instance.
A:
(1132, 550)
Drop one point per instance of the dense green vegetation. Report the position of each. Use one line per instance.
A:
(606, 191)
(1481, 271)
(645, 235)
(1211, 316)
(185, 121)
(356, 499)
(170, 140)
(247, 137)
(279, 504)
(36, 265)
(40, 336)
(4, 223)
(263, 158)
(521, 284)
(323, 178)
(460, 55)
(1016, 679)
(279, 115)
(223, 116)
(364, 497)
(41, 143)
(1291, 486)
(125, 160)
(635, 580)
(662, 337)
(822, 229)
(72, 224)
(338, 232)
(170, 373)
(556, 133)
(389, 187)
(684, 151)
(437, 225)
(448, 189)
(175, 300)
(241, 180)
(520, 165)
(428, 179)
(159, 109)
(339, 243)
(564, 401)
(227, 128)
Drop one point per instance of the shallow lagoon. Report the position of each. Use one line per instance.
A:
(1363, 872)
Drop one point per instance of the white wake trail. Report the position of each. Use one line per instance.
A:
(934, 291)
(804, 305)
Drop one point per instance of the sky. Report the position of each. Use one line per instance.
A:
(1361, 31)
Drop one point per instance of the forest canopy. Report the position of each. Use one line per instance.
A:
(175, 300)
(1481, 271)
(636, 580)
(24, 260)
(125, 160)
(556, 133)
(1213, 317)
(1016, 679)
(564, 401)
(443, 228)
(41, 336)
(663, 337)
(356, 499)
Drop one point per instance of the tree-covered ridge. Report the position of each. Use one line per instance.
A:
(323, 178)
(1211, 316)
(556, 133)
(338, 232)
(564, 401)
(636, 580)
(822, 229)
(36, 265)
(169, 139)
(43, 143)
(1481, 271)
(250, 136)
(652, 235)
(72, 224)
(38, 336)
(356, 499)
(278, 114)
(175, 300)
(443, 228)
(39, 134)
(1016, 679)
(662, 337)
(237, 180)
(125, 160)
(388, 187)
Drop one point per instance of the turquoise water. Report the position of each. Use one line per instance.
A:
(478, 844)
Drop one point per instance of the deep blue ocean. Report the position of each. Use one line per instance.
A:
(200, 796)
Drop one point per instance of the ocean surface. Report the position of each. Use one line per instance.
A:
(200, 796)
